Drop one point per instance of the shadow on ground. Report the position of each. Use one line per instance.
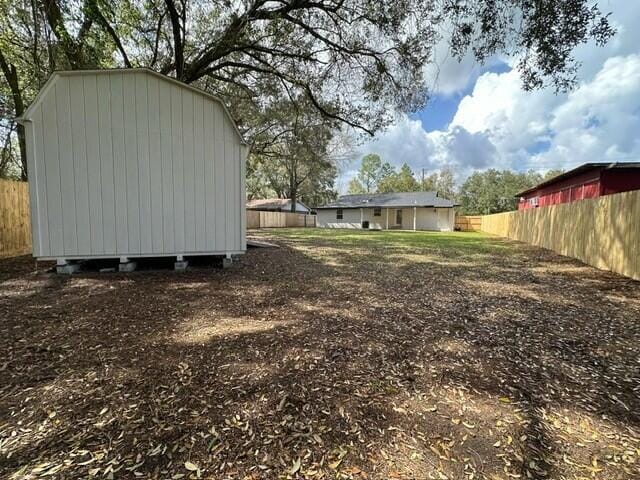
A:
(333, 356)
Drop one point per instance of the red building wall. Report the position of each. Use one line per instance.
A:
(619, 180)
(579, 187)
(590, 184)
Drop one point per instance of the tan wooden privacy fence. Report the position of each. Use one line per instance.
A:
(15, 228)
(603, 232)
(257, 219)
(468, 223)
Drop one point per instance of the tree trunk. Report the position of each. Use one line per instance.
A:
(22, 141)
(11, 76)
(293, 191)
(178, 46)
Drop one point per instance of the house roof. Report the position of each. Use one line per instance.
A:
(581, 169)
(272, 203)
(26, 116)
(400, 199)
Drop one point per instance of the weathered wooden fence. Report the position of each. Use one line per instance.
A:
(603, 232)
(256, 219)
(15, 228)
(468, 223)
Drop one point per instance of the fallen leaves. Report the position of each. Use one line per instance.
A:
(192, 467)
(374, 365)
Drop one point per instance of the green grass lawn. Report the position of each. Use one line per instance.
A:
(468, 242)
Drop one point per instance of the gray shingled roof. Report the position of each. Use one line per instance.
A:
(391, 200)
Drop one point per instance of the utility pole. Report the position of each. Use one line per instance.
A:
(423, 179)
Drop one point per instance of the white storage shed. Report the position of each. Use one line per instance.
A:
(130, 163)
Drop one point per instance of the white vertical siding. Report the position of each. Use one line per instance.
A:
(67, 174)
(166, 148)
(38, 191)
(199, 209)
(208, 127)
(156, 182)
(144, 172)
(189, 172)
(107, 180)
(94, 169)
(132, 131)
(119, 162)
(52, 179)
(244, 151)
(128, 163)
(80, 175)
(177, 167)
(33, 191)
(219, 170)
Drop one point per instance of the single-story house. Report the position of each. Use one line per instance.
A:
(128, 163)
(590, 180)
(276, 205)
(387, 211)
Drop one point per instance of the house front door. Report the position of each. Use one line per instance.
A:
(398, 217)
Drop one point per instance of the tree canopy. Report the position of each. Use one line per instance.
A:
(494, 191)
(356, 62)
(298, 157)
(376, 176)
(482, 193)
(399, 181)
(370, 174)
(442, 182)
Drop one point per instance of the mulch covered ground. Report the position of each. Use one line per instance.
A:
(418, 357)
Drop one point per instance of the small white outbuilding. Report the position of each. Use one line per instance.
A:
(130, 163)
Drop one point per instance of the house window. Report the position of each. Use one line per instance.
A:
(339, 214)
(377, 212)
(398, 217)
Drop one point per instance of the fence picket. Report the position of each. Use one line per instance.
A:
(603, 232)
(15, 230)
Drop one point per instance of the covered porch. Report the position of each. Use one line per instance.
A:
(377, 218)
(405, 218)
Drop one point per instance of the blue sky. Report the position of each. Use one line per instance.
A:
(480, 117)
(441, 108)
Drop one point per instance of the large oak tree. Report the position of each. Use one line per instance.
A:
(354, 61)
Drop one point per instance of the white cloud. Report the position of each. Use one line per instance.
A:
(600, 121)
(446, 76)
(456, 147)
(499, 125)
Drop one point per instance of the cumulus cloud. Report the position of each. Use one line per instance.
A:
(499, 125)
(600, 120)
(446, 75)
(456, 148)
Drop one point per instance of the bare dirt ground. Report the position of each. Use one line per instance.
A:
(338, 355)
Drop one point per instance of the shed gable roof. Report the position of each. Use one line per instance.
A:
(399, 199)
(44, 91)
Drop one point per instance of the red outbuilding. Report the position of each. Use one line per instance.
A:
(590, 180)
